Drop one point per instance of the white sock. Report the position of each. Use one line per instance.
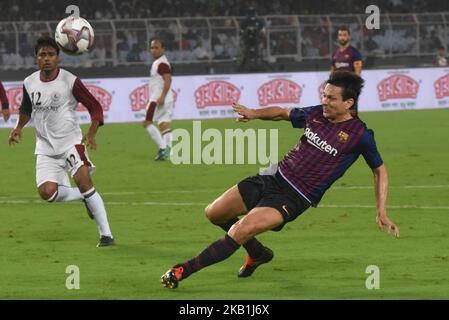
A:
(167, 135)
(156, 135)
(96, 206)
(67, 194)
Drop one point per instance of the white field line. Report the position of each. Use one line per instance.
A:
(203, 204)
(220, 191)
(441, 186)
(112, 203)
(34, 199)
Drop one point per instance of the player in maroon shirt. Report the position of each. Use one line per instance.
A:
(4, 102)
(346, 57)
(333, 140)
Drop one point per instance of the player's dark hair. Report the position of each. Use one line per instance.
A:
(350, 83)
(158, 40)
(344, 28)
(46, 41)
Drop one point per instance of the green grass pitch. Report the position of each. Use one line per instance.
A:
(156, 214)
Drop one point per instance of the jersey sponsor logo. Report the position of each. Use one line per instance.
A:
(140, 96)
(339, 65)
(103, 97)
(279, 91)
(45, 108)
(397, 87)
(216, 93)
(15, 96)
(442, 87)
(342, 137)
(317, 142)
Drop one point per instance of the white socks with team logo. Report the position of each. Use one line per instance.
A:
(96, 206)
(156, 135)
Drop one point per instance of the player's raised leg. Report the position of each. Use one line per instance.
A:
(255, 222)
(224, 212)
(95, 205)
(52, 181)
(53, 192)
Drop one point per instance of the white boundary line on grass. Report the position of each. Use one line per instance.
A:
(220, 191)
(34, 199)
(441, 186)
(192, 204)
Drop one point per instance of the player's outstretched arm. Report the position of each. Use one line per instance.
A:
(16, 133)
(381, 191)
(269, 113)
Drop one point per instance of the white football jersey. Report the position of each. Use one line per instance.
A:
(156, 84)
(53, 113)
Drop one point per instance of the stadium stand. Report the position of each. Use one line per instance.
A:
(296, 35)
(23, 10)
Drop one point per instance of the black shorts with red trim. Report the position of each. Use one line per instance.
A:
(274, 192)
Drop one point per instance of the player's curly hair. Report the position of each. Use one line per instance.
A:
(46, 41)
(350, 83)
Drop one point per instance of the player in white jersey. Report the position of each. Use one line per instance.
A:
(160, 105)
(50, 97)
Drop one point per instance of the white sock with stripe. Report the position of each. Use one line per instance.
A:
(168, 137)
(67, 194)
(96, 206)
(156, 135)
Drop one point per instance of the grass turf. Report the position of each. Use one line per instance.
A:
(156, 214)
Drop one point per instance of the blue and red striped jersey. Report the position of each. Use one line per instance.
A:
(325, 152)
(344, 60)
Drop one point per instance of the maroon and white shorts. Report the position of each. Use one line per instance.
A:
(56, 168)
(159, 114)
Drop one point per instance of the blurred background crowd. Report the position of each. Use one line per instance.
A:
(223, 33)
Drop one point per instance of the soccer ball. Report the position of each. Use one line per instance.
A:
(74, 36)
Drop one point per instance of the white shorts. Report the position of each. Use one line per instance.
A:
(161, 113)
(56, 168)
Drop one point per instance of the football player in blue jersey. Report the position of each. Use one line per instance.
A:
(332, 141)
